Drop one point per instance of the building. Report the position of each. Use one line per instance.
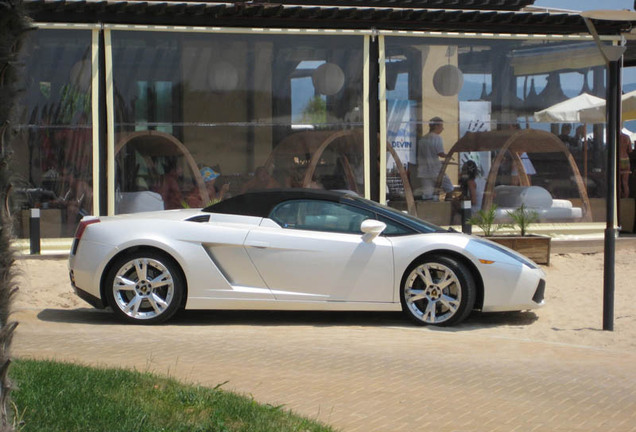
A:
(126, 102)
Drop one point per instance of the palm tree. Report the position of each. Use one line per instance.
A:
(13, 25)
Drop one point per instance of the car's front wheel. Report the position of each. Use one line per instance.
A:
(438, 290)
(145, 287)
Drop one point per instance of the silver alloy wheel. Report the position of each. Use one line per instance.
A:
(143, 288)
(433, 293)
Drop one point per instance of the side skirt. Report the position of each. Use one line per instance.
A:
(229, 304)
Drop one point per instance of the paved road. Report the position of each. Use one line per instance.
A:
(359, 372)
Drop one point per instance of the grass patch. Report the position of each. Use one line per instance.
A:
(54, 396)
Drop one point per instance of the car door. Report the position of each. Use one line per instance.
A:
(225, 271)
(319, 254)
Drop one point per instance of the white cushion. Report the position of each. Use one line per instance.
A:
(136, 202)
(561, 203)
(515, 196)
(553, 214)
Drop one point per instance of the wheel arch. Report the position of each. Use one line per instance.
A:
(479, 282)
(134, 249)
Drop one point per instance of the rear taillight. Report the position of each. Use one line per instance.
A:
(79, 232)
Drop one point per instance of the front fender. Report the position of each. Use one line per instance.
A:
(498, 271)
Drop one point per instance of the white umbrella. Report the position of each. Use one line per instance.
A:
(596, 114)
(569, 110)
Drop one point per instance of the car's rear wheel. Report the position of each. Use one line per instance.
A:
(438, 290)
(145, 287)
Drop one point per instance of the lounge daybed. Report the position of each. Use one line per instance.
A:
(536, 199)
(136, 202)
(513, 143)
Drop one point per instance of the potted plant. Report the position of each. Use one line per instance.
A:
(485, 220)
(535, 247)
(522, 218)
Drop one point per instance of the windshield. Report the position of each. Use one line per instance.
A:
(398, 216)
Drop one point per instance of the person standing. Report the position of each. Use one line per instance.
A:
(430, 148)
(579, 138)
(169, 187)
(624, 168)
(565, 137)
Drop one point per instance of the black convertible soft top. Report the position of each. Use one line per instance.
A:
(260, 203)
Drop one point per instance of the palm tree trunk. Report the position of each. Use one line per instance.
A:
(13, 25)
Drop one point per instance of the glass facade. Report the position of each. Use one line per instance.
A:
(475, 99)
(194, 117)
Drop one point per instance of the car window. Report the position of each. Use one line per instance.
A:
(418, 225)
(393, 228)
(316, 215)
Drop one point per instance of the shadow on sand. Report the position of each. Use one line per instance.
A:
(475, 321)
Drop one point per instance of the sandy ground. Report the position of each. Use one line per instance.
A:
(573, 313)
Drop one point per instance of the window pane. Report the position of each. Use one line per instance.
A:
(394, 229)
(256, 111)
(476, 99)
(320, 216)
(54, 149)
(627, 157)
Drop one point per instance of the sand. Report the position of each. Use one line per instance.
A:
(573, 313)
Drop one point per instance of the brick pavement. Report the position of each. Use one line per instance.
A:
(359, 372)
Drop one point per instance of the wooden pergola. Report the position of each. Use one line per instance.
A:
(513, 143)
(151, 143)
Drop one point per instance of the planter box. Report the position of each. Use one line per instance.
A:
(535, 247)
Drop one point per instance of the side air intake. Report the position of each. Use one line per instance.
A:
(199, 218)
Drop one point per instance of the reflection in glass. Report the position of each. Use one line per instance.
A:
(53, 151)
(497, 86)
(287, 107)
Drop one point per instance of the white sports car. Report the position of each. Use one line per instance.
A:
(295, 249)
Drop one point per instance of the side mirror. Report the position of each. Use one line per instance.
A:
(371, 229)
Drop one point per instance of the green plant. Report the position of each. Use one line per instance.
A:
(485, 219)
(523, 217)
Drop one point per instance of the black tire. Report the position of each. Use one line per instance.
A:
(130, 292)
(437, 290)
